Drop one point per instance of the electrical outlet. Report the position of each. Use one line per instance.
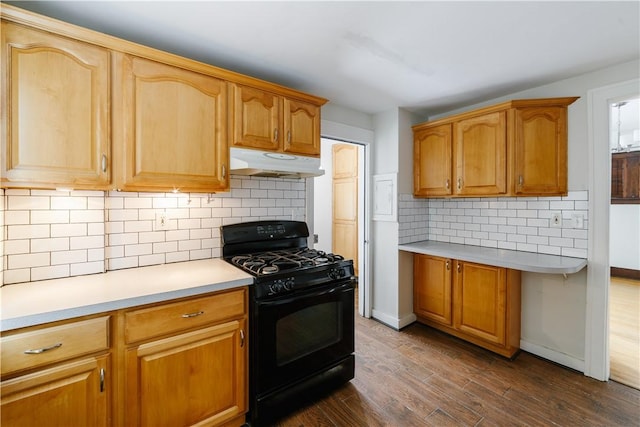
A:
(555, 221)
(162, 221)
(577, 220)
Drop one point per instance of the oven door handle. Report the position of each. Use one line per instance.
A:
(325, 290)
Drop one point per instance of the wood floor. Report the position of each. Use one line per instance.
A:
(624, 331)
(422, 377)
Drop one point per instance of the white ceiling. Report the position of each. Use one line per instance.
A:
(429, 57)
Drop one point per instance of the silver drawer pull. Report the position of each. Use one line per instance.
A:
(42, 350)
(196, 314)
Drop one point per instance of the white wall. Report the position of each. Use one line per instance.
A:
(624, 232)
(323, 200)
(384, 235)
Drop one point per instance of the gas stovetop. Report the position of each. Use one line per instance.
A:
(288, 260)
(276, 254)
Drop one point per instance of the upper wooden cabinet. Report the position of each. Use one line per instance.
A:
(480, 155)
(55, 111)
(510, 149)
(71, 97)
(432, 154)
(625, 178)
(171, 123)
(263, 120)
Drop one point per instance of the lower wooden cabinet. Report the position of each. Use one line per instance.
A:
(179, 363)
(194, 377)
(72, 394)
(57, 375)
(478, 303)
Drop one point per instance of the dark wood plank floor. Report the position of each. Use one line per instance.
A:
(422, 377)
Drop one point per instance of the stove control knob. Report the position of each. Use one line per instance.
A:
(335, 273)
(288, 284)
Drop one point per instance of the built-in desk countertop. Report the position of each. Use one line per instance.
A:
(34, 303)
(517, 260)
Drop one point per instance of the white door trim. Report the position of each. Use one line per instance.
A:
(597, 319)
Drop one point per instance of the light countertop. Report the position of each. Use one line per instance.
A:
(28, 304)
(517, 260)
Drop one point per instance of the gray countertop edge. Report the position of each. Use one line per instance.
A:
(517, 260)
(87, 310)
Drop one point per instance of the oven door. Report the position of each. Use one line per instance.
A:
(302, 334)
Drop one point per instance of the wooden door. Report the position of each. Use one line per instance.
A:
(255, 118)
(345, 202)
(432, 161)
(195, 377)
(72, 394)
(432, 288)
(480, 152)
(55, 111)
(541, 151)
(301, 127)
(174, 127)
(480, 299)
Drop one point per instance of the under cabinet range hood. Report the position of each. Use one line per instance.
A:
(269, 164)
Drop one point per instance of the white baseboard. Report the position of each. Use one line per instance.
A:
(553, 355)
(393, 322)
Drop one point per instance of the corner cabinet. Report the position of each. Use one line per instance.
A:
(267, 121)
(54, 112)
(172, 123)
(510, 149)
(474, 302)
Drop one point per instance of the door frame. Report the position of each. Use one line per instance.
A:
(364, 137)
(596, 357)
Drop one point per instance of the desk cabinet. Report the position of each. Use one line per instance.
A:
(475, 302)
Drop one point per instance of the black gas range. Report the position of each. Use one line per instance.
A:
(301, 315)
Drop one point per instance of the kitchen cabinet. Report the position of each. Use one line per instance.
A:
(625, 178)
(268, 121)
(85, 110)
(194, 351)
(171, 123)
(432, 155)
(480, 154)
(181, 362)
(516, 148)
(55, 111)
(57, 375)
(475, 302)
(432, 288)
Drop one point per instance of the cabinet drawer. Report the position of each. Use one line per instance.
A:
(175, 317)
(53, 344)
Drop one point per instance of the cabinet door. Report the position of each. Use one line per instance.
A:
(541, 151)
(480, 153)
(256, 118)
(195, 377)
(432, 161)
(73, 394)
(301, 127)
(432, 288)
(173, 124)
(55, 111)
(480, 297)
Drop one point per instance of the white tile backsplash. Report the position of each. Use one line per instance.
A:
(518, 223)
(47, 234)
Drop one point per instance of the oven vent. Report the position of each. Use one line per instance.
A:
(274, 165)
